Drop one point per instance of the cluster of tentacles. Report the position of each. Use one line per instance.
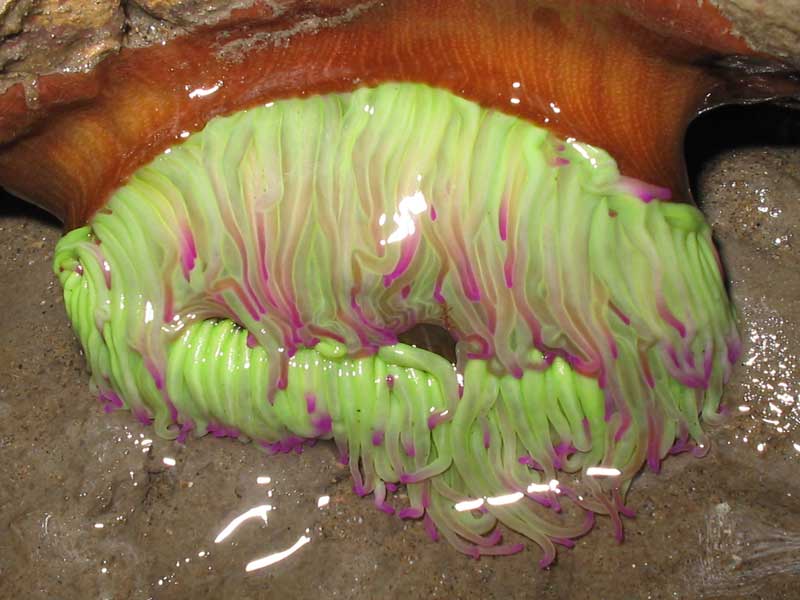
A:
(251, 282)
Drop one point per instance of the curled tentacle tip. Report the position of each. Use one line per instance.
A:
(547, 561)
(494, 538)
(411, 512)
(387, 508)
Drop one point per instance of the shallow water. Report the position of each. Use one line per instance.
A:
(94, 506)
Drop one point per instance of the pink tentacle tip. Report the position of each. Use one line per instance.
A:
(323, 424)
(566, 542)
(360, 490)
(251, 340)
(508, 272)
(565, 449)
(494, 538)
(646, 192)
(619, 531)
(654, 463)
(406, 478)
(411, 512)
(110, 401)
(529, 462)
(503, 220)
(311, 403)
(430, 528)
(377, 439)
(547, 560)
(513, 549)
(435, 419)
(700, 451)
(391, 487)
(386, 507)
(186, 427)
(142, 416)
(734, 347)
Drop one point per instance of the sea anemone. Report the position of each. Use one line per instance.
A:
(251, 282)
(262, 216)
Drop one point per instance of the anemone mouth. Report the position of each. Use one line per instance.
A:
(252, 281)
(433, 338)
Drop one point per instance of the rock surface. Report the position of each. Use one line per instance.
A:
(769, 26)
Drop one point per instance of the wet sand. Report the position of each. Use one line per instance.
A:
(94, 506)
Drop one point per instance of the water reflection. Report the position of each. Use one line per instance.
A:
(257, 512)
(261, 513)
(271, 559)
(769, 377)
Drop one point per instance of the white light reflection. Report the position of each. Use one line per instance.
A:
(404, 218)
(271, 559)
(203, 92)
(538, 488)
(469, 505)
(257, 512)
(170, 462)
(506, 499)
(583, 152)
(263, 479)
(534, 488)
(323, 501)
(515, 101)
(603, 472)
